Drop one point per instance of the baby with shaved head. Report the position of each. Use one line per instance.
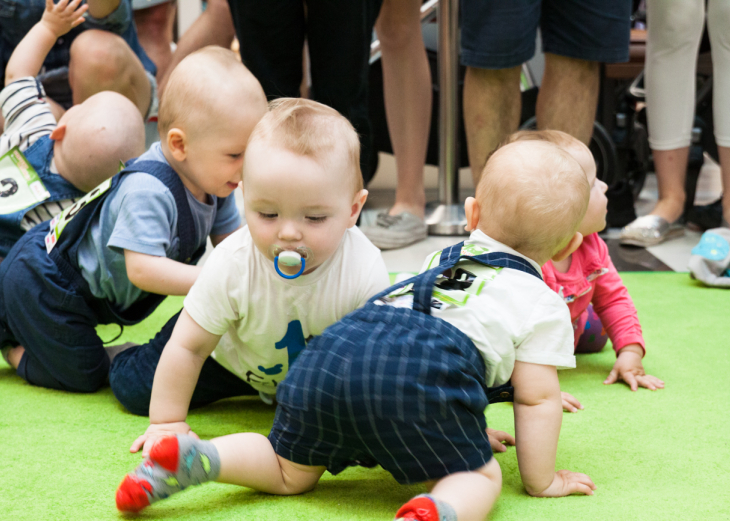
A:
(69, 157)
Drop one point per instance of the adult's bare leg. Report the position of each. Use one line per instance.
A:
(671, 172)
(407, 89)
(568, 96)
(101, 61)
(492, 106)
(213, 27)
(154, 30)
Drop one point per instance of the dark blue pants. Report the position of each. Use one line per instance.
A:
(133, 371)
(42, 310)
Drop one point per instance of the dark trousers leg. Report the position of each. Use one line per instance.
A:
(271, 34)
(339, 32)
(133, 372)
(41, 311)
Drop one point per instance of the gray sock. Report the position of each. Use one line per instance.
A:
(175, 463)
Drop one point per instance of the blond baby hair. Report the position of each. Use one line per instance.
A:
(310, 129)
(201, 87)
(533, 196)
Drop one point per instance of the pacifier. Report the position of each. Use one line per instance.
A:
(291, 258)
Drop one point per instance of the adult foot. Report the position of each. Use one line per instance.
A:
(396, 231)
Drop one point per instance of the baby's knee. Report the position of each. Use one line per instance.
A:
(492, 471)
(134, 398)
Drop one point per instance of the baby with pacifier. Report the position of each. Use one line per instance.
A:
(299, 266)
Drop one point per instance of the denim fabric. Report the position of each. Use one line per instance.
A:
(133, 371)
(391, 386)
(498, 34)
(17, 17)
(40, 156)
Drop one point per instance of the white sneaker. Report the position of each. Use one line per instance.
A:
(396, 231)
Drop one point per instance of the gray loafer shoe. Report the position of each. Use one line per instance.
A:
(650, 230)
(396, 231)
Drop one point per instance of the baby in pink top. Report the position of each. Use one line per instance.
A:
(591, 287)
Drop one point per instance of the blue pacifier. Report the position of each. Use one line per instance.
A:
(291, 258)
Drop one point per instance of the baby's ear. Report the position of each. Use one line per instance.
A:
(573, 245)
(357, 203)
(471, 209)
(58, 133)
(177, 143)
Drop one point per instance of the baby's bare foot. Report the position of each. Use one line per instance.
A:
(12, 355)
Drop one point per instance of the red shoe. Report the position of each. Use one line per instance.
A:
(420, 509)
(132, 494)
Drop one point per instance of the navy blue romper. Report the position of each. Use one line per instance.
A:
(391, 386)
(47, 307)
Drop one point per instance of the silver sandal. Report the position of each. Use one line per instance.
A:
(650, 230)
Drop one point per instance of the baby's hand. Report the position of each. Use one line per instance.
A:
(628, 367)
(570, 403)
(60, 18)
(497, 437)
(566, 483)
(160, 430)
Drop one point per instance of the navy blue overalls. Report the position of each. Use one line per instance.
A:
(47, 307)
(392, 386)
(39, 155)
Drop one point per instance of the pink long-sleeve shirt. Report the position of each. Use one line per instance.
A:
(593, 279)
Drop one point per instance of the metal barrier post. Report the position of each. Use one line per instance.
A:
(448, 217)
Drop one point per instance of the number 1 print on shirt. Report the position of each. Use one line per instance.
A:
(293, 342)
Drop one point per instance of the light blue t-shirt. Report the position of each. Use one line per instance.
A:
(140, 215)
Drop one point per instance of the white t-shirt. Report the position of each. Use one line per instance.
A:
(508, 314)
(265, 319)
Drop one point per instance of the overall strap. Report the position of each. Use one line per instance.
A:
(38, 154)
(423, 283)
(185, 222)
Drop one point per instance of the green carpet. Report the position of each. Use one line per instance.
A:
(660, 455)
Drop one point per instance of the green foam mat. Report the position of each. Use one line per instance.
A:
(660, 455)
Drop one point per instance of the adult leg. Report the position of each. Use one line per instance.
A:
(675, 30)
(101, 61)
(154, 30)
(492, 106)
(718, 18)
(568, 96)
(132, 374)
(339, 33)
(407, 89)
(213, 27)
(271, 37)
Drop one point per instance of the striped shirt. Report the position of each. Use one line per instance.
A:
(28, 117)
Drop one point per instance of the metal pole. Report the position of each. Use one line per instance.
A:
(448, 217)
